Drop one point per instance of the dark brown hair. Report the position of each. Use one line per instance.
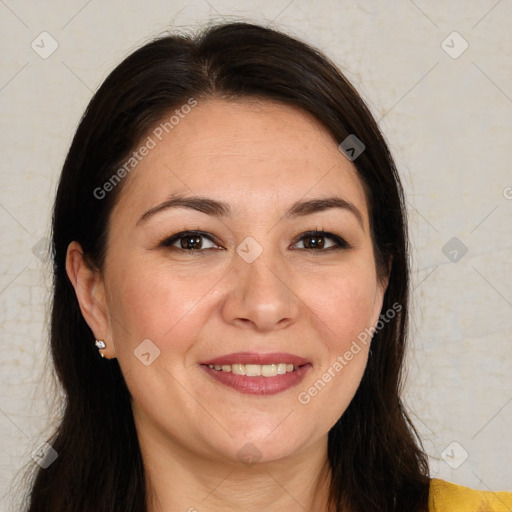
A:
(375, 456)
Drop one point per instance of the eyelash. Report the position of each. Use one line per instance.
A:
(340, 242)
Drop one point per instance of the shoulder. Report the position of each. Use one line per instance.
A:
(445, 496)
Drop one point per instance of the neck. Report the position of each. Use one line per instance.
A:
(179, 480)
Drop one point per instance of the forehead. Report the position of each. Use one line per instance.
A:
(246, 152)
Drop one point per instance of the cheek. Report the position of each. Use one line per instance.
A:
(155, 303)
(345, 303)
(343, 311)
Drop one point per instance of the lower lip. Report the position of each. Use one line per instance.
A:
(259, 385)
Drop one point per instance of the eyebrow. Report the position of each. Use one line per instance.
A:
(222, 209)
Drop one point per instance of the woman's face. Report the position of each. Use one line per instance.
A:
(250, 284)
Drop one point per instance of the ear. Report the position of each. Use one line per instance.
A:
(90, 293)
(384, 280)
(382, 286)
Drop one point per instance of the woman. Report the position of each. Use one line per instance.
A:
(231, 293)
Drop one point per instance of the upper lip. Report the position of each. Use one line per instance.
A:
(257, 358)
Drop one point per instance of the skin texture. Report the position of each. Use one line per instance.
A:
(260, 157)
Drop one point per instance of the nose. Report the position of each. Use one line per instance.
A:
(261, 295)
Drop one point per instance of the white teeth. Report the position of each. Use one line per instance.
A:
(269, 370)
(281, 369)
(255, 370)
(238, 369)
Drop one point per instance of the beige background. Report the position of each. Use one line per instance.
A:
(446, 114)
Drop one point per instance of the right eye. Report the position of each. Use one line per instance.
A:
(190, 241)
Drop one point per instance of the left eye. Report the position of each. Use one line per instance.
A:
(316, 240)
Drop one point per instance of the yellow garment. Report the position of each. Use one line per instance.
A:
(448, 497)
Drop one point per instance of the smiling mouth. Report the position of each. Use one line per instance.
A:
(257, 373)
(256, 370)
(258, 379)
